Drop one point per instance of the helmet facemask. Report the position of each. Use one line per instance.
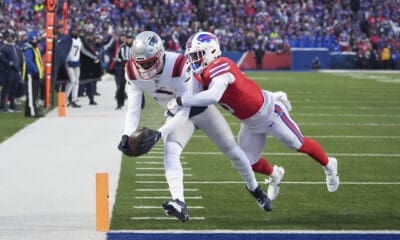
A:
(196, 60)
(149, 68)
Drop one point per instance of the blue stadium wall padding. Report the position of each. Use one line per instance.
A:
(302, 58)
(249, 236)
(233, 55)
(343, 60)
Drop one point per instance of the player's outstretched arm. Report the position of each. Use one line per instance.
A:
(210, 96)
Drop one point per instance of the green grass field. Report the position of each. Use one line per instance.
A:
(10, 123)
(355, 117)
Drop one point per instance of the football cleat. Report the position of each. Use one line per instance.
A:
(262, 200)
(177, 209)
(274, 182)
(74, 105)
(332, 178)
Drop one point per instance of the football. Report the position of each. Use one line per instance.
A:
(135, 139)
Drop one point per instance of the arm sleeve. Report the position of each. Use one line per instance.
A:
(87, 52)
(213, 94)
(132, 116)
(108, 45)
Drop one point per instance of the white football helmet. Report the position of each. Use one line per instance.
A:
(201, 49)
(148, 54)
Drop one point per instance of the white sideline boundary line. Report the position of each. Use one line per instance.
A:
(284, 182)
(232, 231)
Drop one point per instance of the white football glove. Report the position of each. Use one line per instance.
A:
(282, 98)
(172, 107)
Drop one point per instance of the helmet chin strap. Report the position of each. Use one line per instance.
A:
(161, 65)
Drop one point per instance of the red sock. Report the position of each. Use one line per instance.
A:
(263, 166)
(314, 150)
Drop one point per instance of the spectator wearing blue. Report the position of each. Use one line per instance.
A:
(34, 74)
(13, 63)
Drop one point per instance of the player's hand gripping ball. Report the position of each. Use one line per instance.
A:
(142, 141)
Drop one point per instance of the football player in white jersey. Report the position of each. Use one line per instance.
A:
(72, 66)
(165, 75)
(260, 112)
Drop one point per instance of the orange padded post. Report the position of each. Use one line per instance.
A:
(102, 207)
(61, 104)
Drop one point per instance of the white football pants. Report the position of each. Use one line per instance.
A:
(73, 83)
(217, 129)
(273, 118)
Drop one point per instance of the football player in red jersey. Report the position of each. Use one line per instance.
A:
(261, 112)
(164, 75)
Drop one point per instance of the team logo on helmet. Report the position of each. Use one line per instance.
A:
(153, 41)
(206, 37)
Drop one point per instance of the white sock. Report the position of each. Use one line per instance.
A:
(75, 91)
(68, 89)
(329, 167)
(173, 169)
(242, 164)
(274, 173)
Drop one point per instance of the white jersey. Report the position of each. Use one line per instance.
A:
(75, 52)
(175, 80)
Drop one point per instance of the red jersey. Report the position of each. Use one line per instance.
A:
(242, 98)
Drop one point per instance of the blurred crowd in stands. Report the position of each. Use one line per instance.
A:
(366, 27)
(370, 28)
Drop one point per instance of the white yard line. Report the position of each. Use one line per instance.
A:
(334, 136)
(346, 124)
(165, 218)
(284, 182)
(158, 207)
(163, 190)
(389, 155)
(156, 175)
(151, 169)
(154, 163)
(165, 197)
(339, 115)
(151, 157)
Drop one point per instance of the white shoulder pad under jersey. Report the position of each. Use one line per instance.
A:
(175, 79)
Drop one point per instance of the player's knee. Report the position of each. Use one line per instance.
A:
(293, 143)
(227, 145)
